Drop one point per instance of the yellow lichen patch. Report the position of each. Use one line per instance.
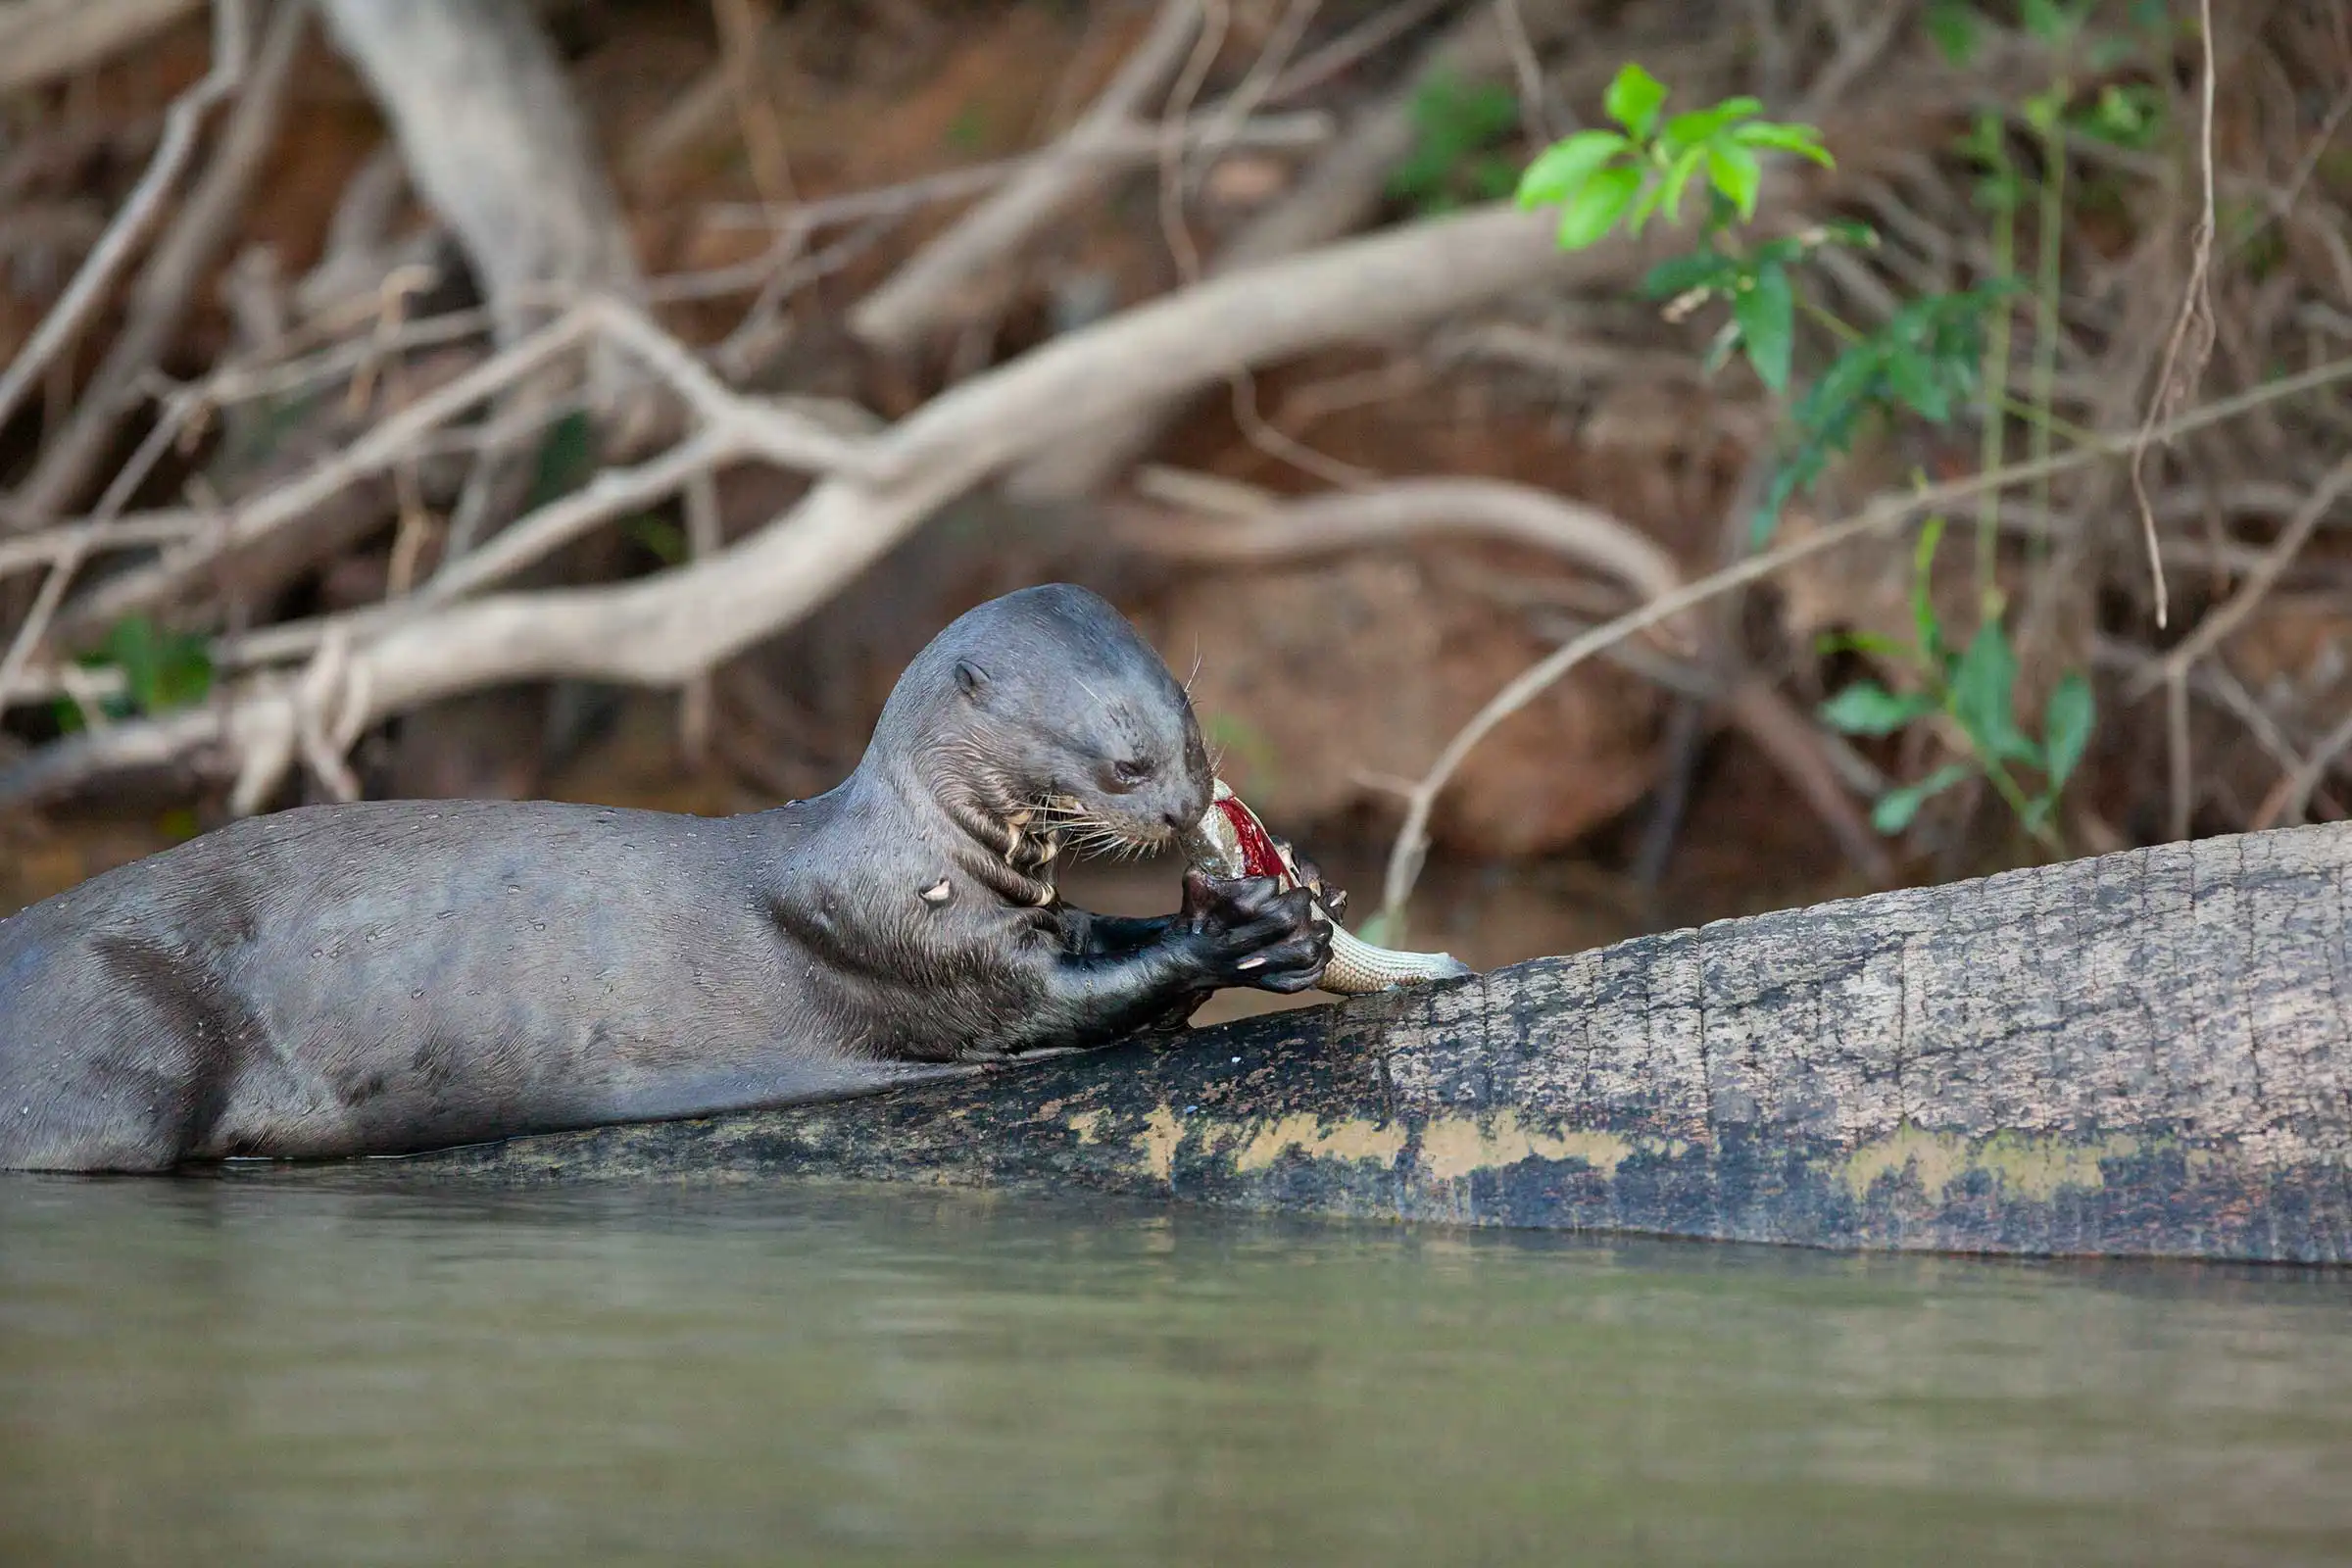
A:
(1162, 1132)
(1352, 1138)
(1453, 1147)
(1089, 1125)
(2023, 1164)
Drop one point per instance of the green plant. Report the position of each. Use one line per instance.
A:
(1931, 359)
(1598, 178)
(1458, 128)
(161, 670)
(658, 537)
(1973, 688)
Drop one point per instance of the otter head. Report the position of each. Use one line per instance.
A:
(1046, 712)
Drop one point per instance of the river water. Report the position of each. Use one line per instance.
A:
(259, 1371)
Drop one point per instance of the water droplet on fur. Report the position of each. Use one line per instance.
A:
(419, 996)
(538, 925)
(318, 952)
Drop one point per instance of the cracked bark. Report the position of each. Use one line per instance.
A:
(2077, 1046)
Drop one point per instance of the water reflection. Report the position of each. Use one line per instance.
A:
(229, 1370)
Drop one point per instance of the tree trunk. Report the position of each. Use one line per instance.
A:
(2143, 1053)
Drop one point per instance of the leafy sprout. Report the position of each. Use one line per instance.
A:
(1975, 688)
(1598, 178)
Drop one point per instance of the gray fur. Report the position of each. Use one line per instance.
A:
(393, 976)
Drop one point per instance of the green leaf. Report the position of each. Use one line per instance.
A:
(1913, 379)
(1766, 312)
(1677, 180)
(1925, 624)
(1734, 170)
(1633, 100)
(660, 537)
(1802, 141)
(1678, 275)
(1850, 231)
(1868, 708)
(1952, 23)
(2066, 722)
(1863, 642)
(567, 460)
(1699, 126)
(1983, 686)
(1897, 808)
(161, 669)
(1561, 170)
(1647, 205)
(2045, 19)
(1595, 210)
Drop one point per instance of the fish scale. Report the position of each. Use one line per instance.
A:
(1230, 841)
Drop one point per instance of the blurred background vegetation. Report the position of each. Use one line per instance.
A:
(602, 398)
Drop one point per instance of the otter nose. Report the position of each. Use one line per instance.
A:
(1177, 821)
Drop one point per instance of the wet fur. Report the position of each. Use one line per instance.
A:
(402, 975)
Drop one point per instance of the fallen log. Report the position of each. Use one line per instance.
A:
(2146, 1054)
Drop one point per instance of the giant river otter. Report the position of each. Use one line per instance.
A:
(402, 975)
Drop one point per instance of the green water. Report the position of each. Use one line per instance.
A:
(250, 1372)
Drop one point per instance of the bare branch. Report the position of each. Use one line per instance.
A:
(2259, 582)
(896, 315)
(2191, 340)
(42, 40)
(493, 141)
(666, 628)
(160, 300)
(183, 122)
(1411, 846)
(782, 437)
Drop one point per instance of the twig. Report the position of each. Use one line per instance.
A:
(1337, 56)
(896, 315)
(91, 538)
(2186, 350)
(1127, 147)
(232, 33)
(45, 39)
(1400, 509)
(2290, 801)
(67, 560)
(2259, 582)
(1411, 845)
(159, 299)
(778, 435)
(663, 629)
(740, 28)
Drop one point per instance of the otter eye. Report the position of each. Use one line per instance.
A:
(1130, 772)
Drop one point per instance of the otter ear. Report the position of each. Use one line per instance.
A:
(970, 677)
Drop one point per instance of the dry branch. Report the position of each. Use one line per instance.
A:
(1337, 195)
(668, 628)
(159, 302)
(896, 316)
(231, 39)
(1325, 524)
(781, 436)
(494, 142)
(1404, 508)
(1411, 846)
(42, 40)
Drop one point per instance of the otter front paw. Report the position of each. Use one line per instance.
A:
(1246, 932)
